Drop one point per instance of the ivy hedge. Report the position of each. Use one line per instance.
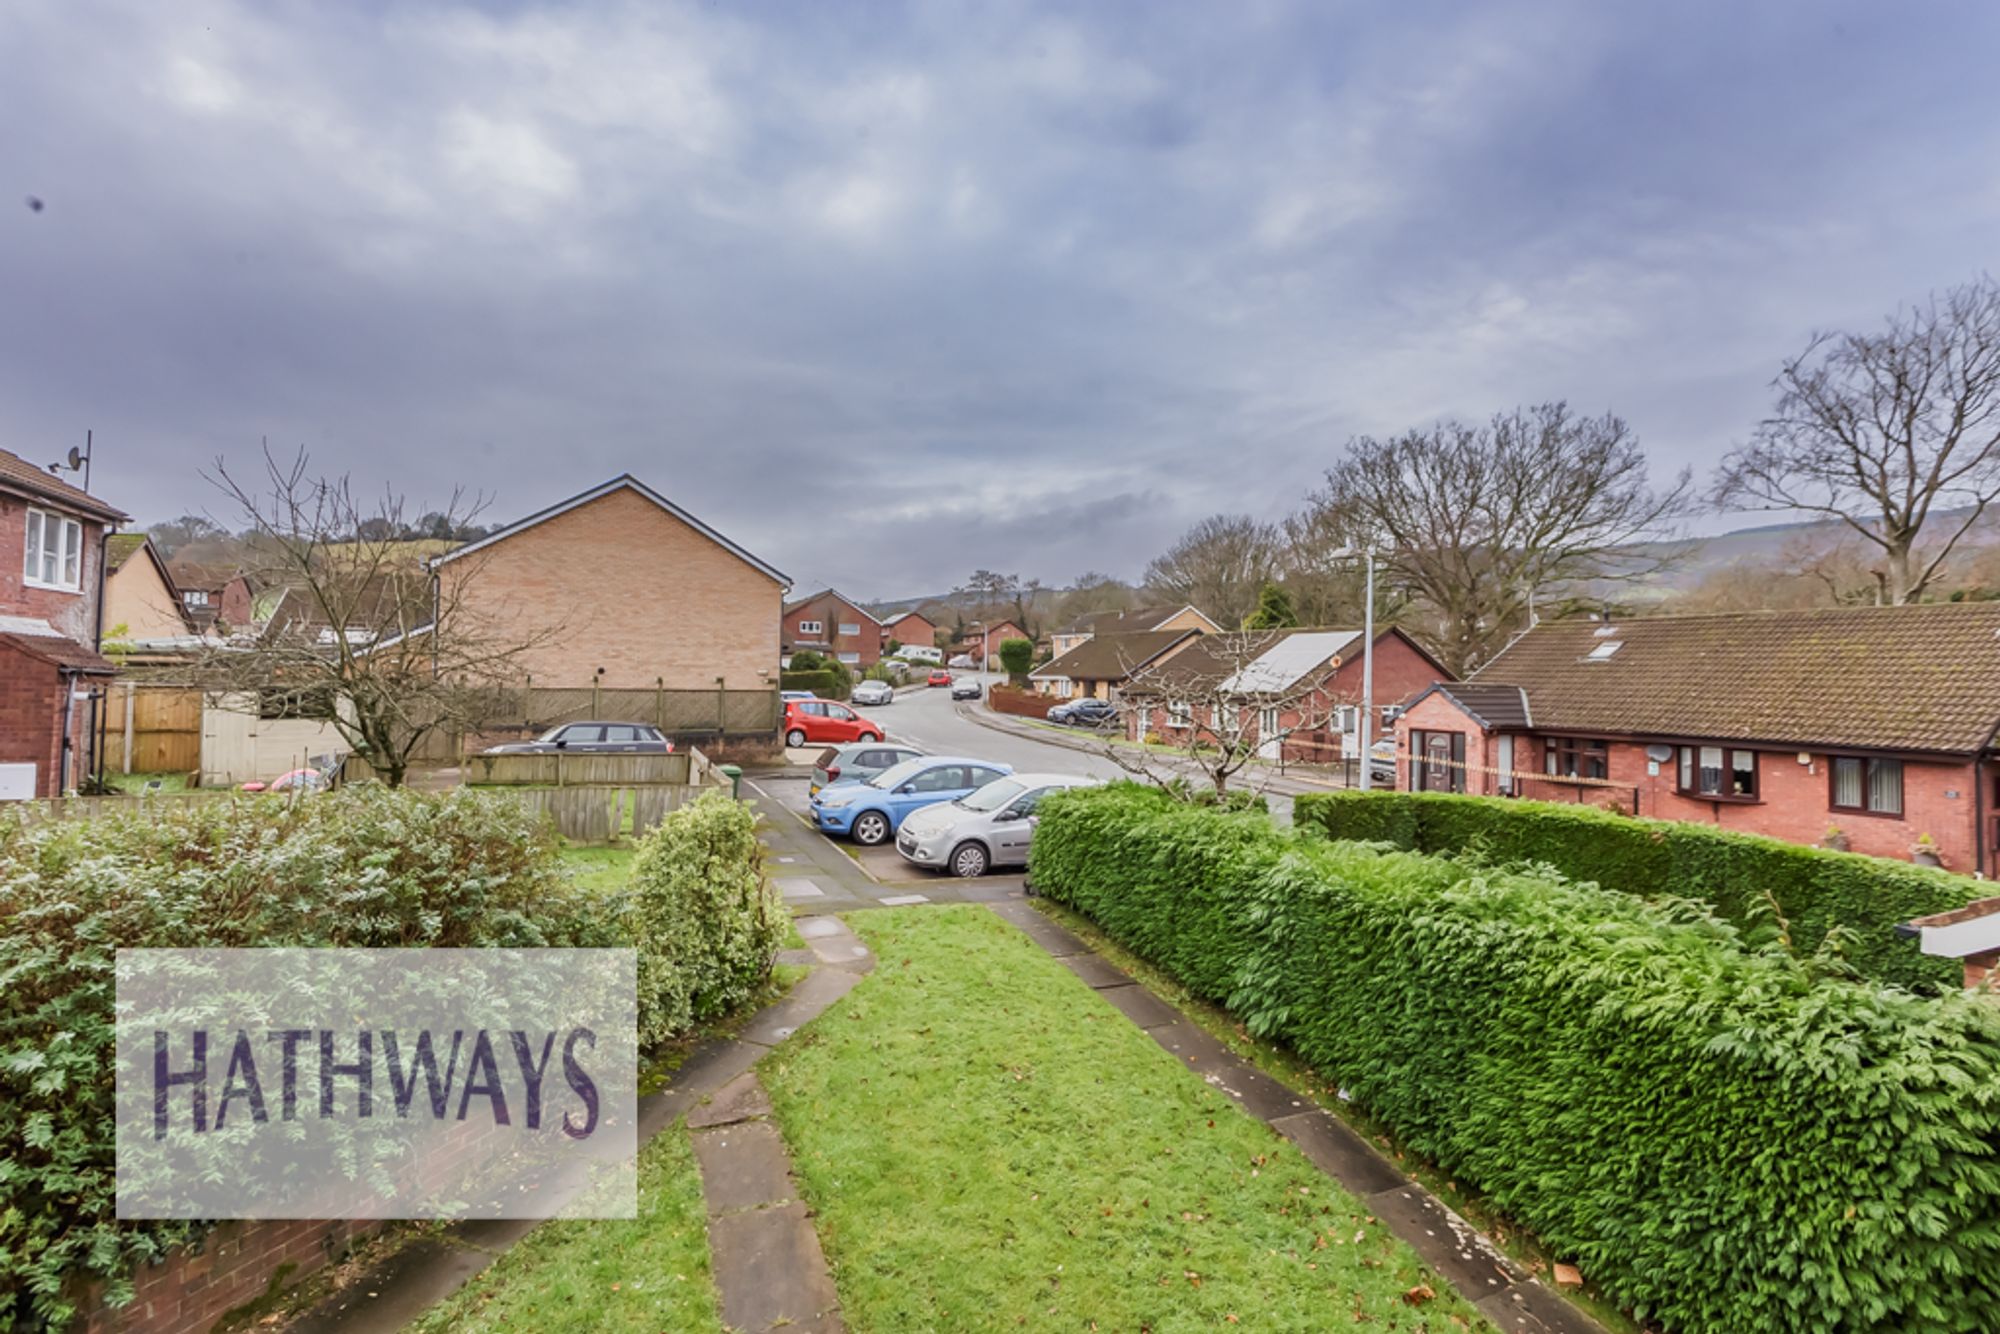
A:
(1721, 1137)
(1814, 890)
(364, 866)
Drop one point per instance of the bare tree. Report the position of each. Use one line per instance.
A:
(1091, 592)
(1218, 708)
(361, 636)
(1477, 521)
(1886, 432)
(1219, 566)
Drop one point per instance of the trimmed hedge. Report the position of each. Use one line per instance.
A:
(1720, 1138)
(1815, 889)
(822, 681)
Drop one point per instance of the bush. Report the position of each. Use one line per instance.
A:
(1017, 656)
(1721, 1139)
(822, 682)
(363, 866)
(1814, 890)
(708, 923)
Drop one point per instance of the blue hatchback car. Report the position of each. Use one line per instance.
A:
(869, 810)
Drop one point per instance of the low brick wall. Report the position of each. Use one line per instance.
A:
(238, 1263)
(1020, 703)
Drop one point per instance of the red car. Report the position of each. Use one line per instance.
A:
(940, 678)
(825, 720)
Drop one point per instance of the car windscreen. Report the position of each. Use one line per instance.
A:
(898, 774)
(993, 796)
(827, 757)
(552, 733)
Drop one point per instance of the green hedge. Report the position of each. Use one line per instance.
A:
(1815, 889)
(822, 681)
(1718, 1137)
(364, 866)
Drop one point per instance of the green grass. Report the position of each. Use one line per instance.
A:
(987, 1144)
(642, 1274)
(605, 868)
(1285, 1066)
(174, 782)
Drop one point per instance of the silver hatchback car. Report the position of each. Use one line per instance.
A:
(984, 829)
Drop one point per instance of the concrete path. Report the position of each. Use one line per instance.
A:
(1504, 1292)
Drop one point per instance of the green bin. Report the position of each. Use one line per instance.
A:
(735, 776)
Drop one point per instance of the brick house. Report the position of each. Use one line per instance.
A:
(911, 628)
(1302, 689)
(1103, 665)
(833, 626)
(213, 595)
(1125, 622)
(977, 637)
(52, 568)
(141, 601)
(625, 589)
(1866, 727)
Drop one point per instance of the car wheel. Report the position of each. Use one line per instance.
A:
(796, 737)
(968, 860)
(870, 828)
(869, 736)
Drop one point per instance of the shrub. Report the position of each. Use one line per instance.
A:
(364, 866)
(1017, 656)
(822, 682)
(1722, 1139)
(1815, 890)
(707, 921)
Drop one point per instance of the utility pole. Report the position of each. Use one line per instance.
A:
(1368, 677)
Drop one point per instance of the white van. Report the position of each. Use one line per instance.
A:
(918, 653)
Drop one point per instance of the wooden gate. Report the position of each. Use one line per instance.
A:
(143, 728)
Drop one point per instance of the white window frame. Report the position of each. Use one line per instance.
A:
(1180, 713)
(812, 627)
(851, 659)
(850, 628)
(195, 597)
(68, 564)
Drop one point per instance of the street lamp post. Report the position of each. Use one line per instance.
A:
(1367, 663)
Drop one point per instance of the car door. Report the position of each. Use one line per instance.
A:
(940, 782)
(811, 719)
(843, 722)
(581, 736)
(621, 738)
(1011, 836)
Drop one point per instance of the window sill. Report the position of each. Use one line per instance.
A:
(1721, 799)
(1865, 813)
(52, 588)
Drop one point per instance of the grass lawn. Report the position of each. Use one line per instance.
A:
(600, 867)
(988, 1144)
(646, 1274)
(174, 782)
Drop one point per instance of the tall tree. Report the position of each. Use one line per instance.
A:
(1220, 566)
(1886, 432)
(1478, 521)
(1093, 591)
(1274, 610)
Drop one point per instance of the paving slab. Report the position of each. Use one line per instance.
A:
(803, 1004)
(770, 1270)
(741, 1099)
(1337, 1150)
(795, 887)
(992, 889)
(1250, 1088)
(1533, 1307)
(1192, 1043)
(819, 928)
(1040, 928)
(903, 900)
(1141, 1006)
(743, 1166)
(797, 958)
(1447, 1243)
(1096, 971)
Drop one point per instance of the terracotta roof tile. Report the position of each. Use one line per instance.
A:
(17, 474)
(60, 650)
(1923, 678)
(1112, 657)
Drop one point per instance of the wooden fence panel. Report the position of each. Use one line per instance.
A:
(147, 728)
(561, 769)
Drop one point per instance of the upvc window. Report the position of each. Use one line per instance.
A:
(1873, 785)
(1179, 713)
(1714, 771)
(812, 627)
(54, 551)
(850, 627)
(195, 597)
(1568, 757)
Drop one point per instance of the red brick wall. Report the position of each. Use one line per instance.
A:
(188, 1292)
(75, 614)
(831, 612)
(1021, 703)
(31, 698)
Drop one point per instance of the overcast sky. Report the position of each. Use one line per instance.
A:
(890, 292)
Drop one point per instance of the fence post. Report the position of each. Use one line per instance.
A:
(559, 768)
(660, 702)
(721, 708)
(127, 687)
(596, 691)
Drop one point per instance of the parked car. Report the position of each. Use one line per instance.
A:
(591, 738)
(987, 828)
(857, 762)
(1382, 763)
(967, 689)
(920, 653)
(963, 662)
(869, 812)
(1085, 713)
(809, 720)
(873, 692)
(939, 678)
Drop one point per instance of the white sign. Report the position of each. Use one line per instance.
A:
(17, 782)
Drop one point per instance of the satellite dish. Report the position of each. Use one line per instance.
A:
(75, 458)
(1659, 754)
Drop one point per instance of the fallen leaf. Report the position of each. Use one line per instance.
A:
(1420, 1294)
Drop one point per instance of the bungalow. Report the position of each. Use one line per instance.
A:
(52, 565)
(1101, 666)
(1124, 622)
(833, 626)
(910, 628)
(1298, 692)
(1869, 728)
